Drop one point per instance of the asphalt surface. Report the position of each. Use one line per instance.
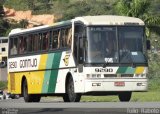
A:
(57, 106)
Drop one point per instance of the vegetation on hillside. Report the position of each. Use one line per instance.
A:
(140, 9)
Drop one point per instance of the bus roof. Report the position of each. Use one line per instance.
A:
(21, 30)
(18, 30)
(109, 20)
(89, 20)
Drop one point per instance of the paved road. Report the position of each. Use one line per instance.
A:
(56, 106)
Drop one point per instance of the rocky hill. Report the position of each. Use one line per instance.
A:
(44, 19)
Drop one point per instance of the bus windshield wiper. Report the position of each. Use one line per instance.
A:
(107, 62)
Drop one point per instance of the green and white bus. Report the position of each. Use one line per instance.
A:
(90, 55)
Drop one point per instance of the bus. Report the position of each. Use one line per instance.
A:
(88, 55)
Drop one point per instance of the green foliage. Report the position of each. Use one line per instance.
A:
(140, 9)
(87, 7)
(4, 25)
(133, 8)
(17, 4)
(1, 10)
(3, 85)
(30, 4)
(149, 96)
(23, 23)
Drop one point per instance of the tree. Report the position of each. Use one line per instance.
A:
(2, 21)
(30, 4)
(23, 23)
(1, 9)
(139, 9)
(86, 7)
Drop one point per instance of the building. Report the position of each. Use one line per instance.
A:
(3, 58)
(3, 49)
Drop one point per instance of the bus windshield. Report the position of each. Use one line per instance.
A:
(115, 44)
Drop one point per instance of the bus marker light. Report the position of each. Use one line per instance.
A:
(96, 84)
(141, 84)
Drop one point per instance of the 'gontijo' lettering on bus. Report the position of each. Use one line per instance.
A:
(12, 65)
(26, 63)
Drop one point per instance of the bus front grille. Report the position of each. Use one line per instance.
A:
(109, 75)
(126, 75)
(117, 75)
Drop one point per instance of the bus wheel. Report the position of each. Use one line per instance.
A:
(27, 97)
(70, 95)
(125, 96)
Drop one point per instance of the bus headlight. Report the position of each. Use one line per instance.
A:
(93, 75)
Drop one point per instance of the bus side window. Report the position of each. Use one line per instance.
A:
(21, 47)
(69, 38)
(13, 46)
(25, 45)
(29, 43)
(63, 39)
(56, 39)
(45, 38)
(66, 37)
(35, 42)
(40, 42)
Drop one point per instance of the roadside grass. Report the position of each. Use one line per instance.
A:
(150, 96)
(3, 85)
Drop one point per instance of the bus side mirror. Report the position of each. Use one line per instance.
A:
(148, 44)
(80, 61)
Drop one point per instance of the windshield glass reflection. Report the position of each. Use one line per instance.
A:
(101, 45)
(131, 44)
(114, 44)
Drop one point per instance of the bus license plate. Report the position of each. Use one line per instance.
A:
(119, 83)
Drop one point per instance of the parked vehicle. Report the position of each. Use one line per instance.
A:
(2, 96)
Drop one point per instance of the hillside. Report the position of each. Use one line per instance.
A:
(33, 20)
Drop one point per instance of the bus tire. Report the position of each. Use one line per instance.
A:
(70, 95)
(125, 96)
(27, 97)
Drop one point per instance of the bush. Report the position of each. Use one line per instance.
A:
(3, 85)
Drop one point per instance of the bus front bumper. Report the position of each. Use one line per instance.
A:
(116, 85)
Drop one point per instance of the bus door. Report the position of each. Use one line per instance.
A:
(78, 51)
(78, 42)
